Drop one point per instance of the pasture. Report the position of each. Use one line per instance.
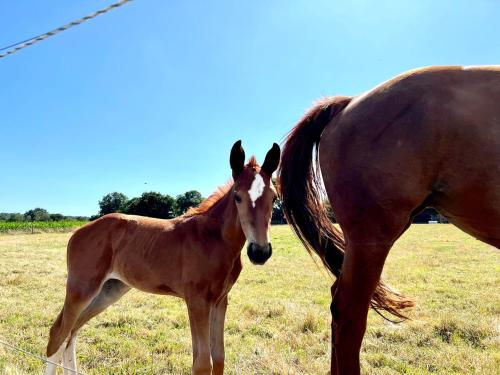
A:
(278, 317)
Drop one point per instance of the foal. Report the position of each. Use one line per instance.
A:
(195, 257)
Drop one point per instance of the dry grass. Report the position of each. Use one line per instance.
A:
(278, 318)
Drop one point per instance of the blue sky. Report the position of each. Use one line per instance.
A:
(151, 96)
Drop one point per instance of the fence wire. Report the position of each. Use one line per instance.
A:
(43, 359)
(29, 42)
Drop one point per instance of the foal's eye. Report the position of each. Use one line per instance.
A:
(237, 198)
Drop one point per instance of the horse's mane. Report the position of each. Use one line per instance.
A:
(218, 194)
(252, 162)
(211, 200)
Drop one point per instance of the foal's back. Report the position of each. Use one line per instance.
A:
(152, 255)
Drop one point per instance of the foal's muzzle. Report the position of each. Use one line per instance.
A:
(259, 254)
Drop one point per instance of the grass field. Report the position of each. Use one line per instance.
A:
(278, 317)
(39, 226)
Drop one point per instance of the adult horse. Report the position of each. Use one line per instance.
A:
(429, 137)
(195, 257)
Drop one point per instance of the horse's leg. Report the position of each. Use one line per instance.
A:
(333, 363)
(361, 271)
(199, 319)
(111, 291)
(217, 336)
(368, 240)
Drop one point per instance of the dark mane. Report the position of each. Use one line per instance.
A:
(218, 194)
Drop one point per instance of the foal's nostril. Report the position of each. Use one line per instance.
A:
(259, 254)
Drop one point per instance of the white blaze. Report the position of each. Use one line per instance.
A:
(257, 188)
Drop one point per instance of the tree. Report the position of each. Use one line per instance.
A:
(15, 217)
(82, 218)
(152, 204)
(56, 217)
(189, 199)
(112, 202)
(37, 214)
(278, 216)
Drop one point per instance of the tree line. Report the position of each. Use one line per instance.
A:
(37, 214)
(152, 204)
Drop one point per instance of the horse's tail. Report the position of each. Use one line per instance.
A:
(302, 196)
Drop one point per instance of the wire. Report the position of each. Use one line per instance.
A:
(13, 48)
(24, 41)
(12, 347)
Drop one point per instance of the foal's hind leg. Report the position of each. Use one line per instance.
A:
(76, 300)
(111, 291)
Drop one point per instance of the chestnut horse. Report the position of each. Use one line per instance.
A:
(429, 137)
(195, 257)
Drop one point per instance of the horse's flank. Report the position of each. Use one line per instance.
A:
(429, 137)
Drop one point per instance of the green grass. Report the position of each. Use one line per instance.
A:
(39, 226)
(278, 317)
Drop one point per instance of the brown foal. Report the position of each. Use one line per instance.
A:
(195, 257)
(430, 137)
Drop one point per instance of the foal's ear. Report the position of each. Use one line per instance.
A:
(272, 160)
(237, 159)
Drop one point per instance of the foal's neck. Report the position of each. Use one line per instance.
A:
(226, 213)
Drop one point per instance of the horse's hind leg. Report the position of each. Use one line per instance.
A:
(367, 246)
(111, 291)
(351, 301)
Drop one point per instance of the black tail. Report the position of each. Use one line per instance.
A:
(302, 194)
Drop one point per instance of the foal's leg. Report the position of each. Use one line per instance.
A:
(199, 319)
(217, 336)
(76, 300)
(111, 291)
(69, 355)
(55, 360)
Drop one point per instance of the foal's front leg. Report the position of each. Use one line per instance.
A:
(217, 336)
(199, 320)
